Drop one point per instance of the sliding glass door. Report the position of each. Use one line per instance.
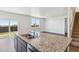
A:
(35, 26)
(13, 25)
(13, 28)
(7, 28)
(4, 28)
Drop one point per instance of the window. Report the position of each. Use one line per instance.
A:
(7, 25)
(35, 25)
(4, 22)
(13, 25)
(35, 22)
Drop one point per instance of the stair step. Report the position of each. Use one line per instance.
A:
(75, 36)
(76, 44)
(73, 48)
(76, 24)
(75, 33)
(75, 39)
(76, 27)
(76, 30)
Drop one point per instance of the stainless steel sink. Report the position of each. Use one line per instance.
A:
(29, 36)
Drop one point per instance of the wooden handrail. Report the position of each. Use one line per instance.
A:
(72, 21)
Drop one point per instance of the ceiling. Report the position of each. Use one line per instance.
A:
(53, 11)
(43, 12)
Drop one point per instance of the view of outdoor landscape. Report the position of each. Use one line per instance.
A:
(5, 25)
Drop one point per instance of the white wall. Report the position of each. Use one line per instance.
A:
(55, 25)
(18, 10)
(32, 11)
(42, 12)
(77, 9)
(42, 24)
(51, 24)
(25, 25)
(23, 21)
(53, 11)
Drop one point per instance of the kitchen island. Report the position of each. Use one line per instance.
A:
(44, 43)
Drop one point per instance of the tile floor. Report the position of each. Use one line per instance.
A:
(7, 45)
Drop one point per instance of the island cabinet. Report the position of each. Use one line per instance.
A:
(30, 48)
(16, 43)
(22, 46)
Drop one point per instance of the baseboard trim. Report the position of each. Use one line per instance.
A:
(54, 33)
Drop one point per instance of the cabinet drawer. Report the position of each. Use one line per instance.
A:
(30, 48)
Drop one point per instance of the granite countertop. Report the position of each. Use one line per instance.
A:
(48, 42)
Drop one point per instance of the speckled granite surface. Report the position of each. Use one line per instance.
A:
(48, 42)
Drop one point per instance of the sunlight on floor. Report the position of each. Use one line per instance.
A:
(7, 42)
(7, 34)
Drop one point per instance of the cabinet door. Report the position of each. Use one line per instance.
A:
(21, 46)
(23, 49)
(16, 43)
(30, 48)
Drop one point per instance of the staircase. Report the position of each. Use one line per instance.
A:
(74, 46)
